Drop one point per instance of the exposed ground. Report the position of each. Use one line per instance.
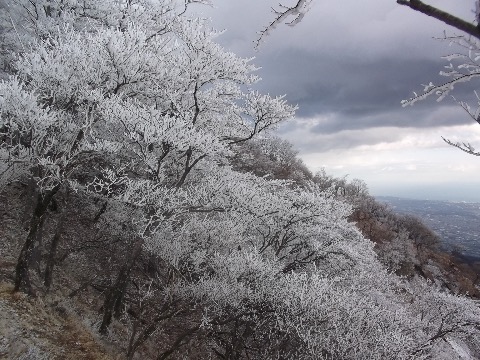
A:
(41, 328)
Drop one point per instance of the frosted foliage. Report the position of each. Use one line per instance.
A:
(463, 66)
(21, 114)
(333, 305)
(240, 282)
(145, 90)
(26, 130)
(345, 284)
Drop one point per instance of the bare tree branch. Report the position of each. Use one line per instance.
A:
(441, 15)
(296, 11)
(466, 147)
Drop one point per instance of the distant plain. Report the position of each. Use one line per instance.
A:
(456, 223)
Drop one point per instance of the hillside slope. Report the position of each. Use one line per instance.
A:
(147, 213)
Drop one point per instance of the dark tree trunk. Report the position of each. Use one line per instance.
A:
(22, 276)
(143, 335)
(178, 343)
(114, 298)
(51, 260)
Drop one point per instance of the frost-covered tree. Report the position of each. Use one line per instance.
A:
(160, 85)
(271, 157)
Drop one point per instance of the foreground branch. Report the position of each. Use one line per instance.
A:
(296, 11)
(465, 147)
(438, 14)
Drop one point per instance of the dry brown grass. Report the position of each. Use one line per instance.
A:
(31, 323)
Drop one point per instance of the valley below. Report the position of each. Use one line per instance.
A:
(456, 223)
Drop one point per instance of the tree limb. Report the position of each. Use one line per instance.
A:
(465, 147)
(297, 11)
(441, 15)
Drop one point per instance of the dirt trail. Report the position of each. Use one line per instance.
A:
(31, 329)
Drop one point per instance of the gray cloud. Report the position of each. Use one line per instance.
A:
(317, 143)
(402, 118)
(359, 90)
(342, 131)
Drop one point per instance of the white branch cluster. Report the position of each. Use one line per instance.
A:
(463, 67)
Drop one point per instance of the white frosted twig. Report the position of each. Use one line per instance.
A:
(297, 11)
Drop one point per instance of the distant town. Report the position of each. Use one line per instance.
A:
(456, 223)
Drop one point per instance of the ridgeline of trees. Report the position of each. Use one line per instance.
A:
(403, 243)
(138, 180)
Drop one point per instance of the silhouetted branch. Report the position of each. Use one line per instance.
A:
(465, 147)
(443, 16)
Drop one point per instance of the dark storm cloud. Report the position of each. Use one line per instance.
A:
(342, 131)
(321, 142)
(417, 117)
(361, 94)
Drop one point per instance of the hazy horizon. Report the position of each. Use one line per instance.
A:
(422, 193)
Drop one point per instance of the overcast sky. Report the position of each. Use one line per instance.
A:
(348, 65)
